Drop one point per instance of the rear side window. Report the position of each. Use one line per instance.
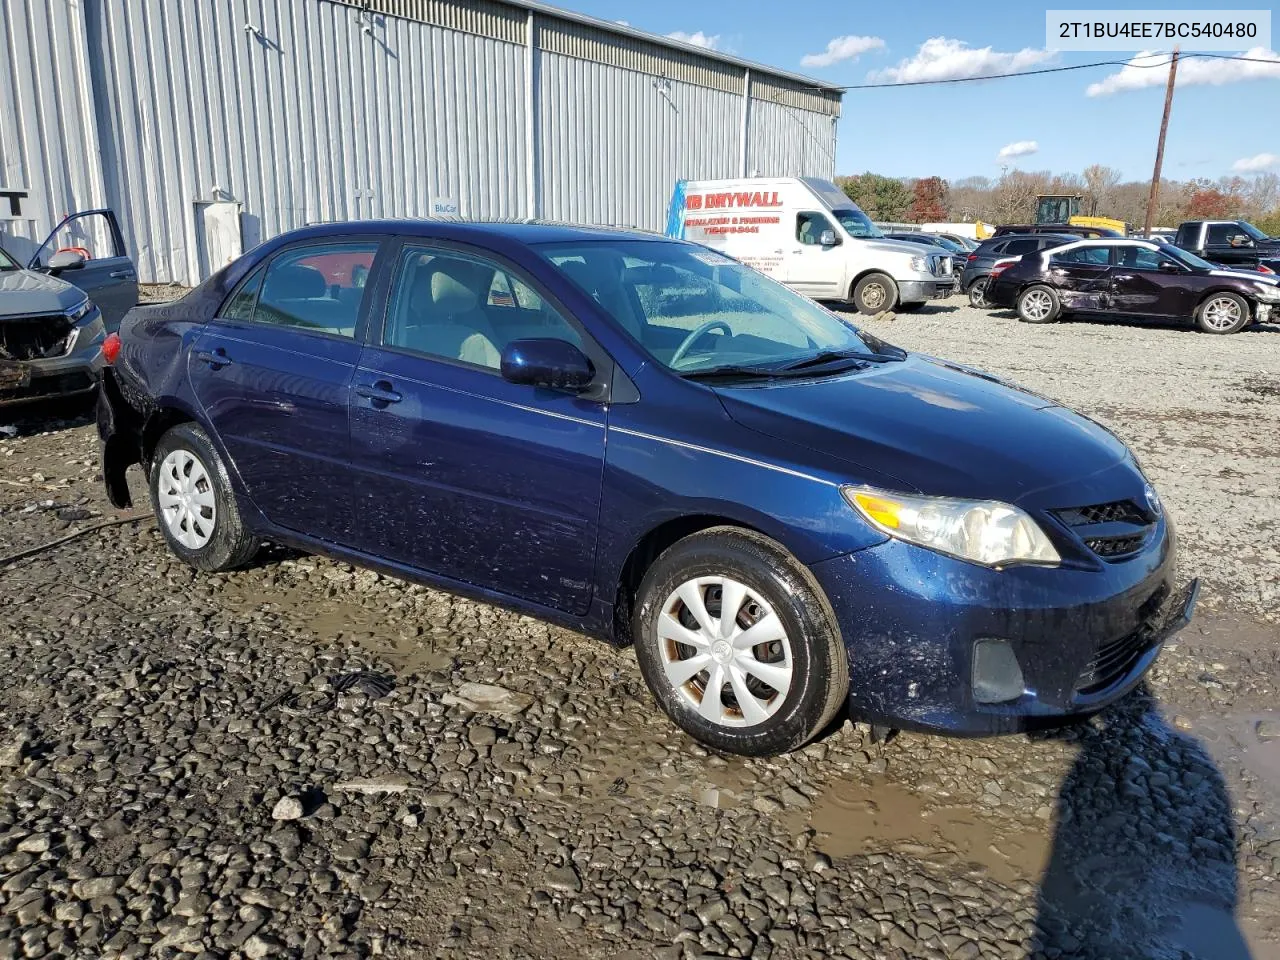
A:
(1090, 256)
(240, 306)
(316, 287)
(1023, 245)
(995, 249)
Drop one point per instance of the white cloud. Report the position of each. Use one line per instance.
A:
(842, 48)
(1019, 148)
(941, 58)
(1257, 163)
(1149, 69)
(699, 39)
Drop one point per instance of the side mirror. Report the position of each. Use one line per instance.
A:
(1241, 240)
(547, 363)
(1168, 266)
(828, 238)
(65, 260)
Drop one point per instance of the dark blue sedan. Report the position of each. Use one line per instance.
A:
(646, 441)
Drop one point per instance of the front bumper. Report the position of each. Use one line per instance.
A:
(73, 374)
(1083, 638)
(918, 291)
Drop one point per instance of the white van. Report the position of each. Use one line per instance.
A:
(808, 234)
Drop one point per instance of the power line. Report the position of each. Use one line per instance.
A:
(1162, 62)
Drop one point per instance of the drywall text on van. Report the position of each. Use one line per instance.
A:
(730, 224)
(718, 201)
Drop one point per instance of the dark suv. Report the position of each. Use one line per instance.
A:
(977, 266)
(1132, 278)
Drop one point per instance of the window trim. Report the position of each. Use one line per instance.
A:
(1110, 251)
(389, 275)
(379, 242)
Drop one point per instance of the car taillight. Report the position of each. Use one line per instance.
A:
(972, 256)
(999, 268)
(1263, 268)
(111, 348)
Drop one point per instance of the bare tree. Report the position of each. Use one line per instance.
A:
(1014, 196)
(1099, 185)
(1263, 194)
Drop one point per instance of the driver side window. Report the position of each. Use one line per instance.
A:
(810, 227)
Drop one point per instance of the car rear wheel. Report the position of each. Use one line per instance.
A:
(194, 503)
(1039, 304)
(978, 292)
(1223, 313)
(875, 293)
(738, 644)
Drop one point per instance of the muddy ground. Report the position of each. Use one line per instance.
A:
(194, 764)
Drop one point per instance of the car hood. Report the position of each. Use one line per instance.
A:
(938, 428)
(901, 246)
(25, 292)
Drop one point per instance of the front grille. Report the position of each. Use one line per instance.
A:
(1114, 660)
(1113, 530)
(940, 266)
(34, 338)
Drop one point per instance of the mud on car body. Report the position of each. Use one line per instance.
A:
(650, 443)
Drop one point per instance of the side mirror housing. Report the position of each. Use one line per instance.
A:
(66, 260)
(828, 238)
(1241, 240)
(1168, 266)
(545, 362)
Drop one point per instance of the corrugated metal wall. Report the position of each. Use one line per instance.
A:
(48, 138)
(307, 110)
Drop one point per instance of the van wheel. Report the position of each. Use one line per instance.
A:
(1039, 304)
(738, 643)
(875, 293)
(193, 500)
(1223, 313)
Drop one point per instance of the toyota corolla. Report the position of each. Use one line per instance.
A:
(648, 442)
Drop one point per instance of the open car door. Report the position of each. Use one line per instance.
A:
(87, 249)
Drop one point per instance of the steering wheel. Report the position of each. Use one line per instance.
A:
(694, 337)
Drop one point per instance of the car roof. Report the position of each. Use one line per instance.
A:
(1030, 236)
(520, 231)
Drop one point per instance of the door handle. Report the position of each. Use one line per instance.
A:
(123, 275)
(1123, 276)
(215, 359)
(379, 394)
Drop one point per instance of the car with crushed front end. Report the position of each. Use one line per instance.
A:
(646, 441)
(1131, 279)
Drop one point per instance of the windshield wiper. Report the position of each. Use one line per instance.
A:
(824, 357)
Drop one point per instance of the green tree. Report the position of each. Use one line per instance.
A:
(881, 198)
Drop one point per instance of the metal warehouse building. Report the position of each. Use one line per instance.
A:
(212, 124)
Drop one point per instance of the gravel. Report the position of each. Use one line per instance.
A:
(180, 775)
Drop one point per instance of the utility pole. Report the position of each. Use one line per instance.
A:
(1154, 196)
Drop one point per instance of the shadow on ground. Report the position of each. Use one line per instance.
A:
(1143, 862)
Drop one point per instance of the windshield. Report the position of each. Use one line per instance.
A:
(7, 262)
(945, 243)
(856, 223)
(1252, 231)
(1183, 257)
(695, 310)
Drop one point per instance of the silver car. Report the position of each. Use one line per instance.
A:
(51, 330)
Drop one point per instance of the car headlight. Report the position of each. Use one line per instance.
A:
(79, 311)
(988, 532)
(1268, 293)
(920, 264)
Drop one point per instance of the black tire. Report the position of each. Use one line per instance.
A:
(229, 544)
(875, 293)
(1214, 315)
(978, 293)
(1031, 298)
(819, 680)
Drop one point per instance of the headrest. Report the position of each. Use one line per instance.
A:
(294, 281)
(450, 293)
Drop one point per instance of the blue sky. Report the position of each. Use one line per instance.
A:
(1217, 128)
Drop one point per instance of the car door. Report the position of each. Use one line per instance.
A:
(1219, 248)
(107, 274)
(1082, 276)
(1146, 283)
(813, 268)
(272, 372)
(462, 473)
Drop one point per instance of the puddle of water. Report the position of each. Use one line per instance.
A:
(1234, 736)
(854, 818)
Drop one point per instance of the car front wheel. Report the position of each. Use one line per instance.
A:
(875, 293)
(1223, 313)
(193, 500)
(738, 644)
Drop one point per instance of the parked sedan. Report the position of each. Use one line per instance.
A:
(1132, 278)
(783, 514)
(978, 265)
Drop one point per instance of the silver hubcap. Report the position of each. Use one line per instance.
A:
(725, 651)
(187, 503)
(978, 293)
(1037, 304)
(1221, 314)
(873, 295)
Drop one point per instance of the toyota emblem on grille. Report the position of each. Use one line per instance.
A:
(1153, 499)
